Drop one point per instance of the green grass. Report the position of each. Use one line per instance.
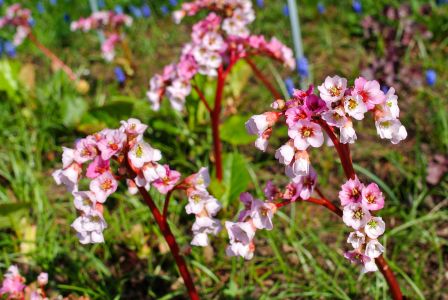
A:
(301, 258)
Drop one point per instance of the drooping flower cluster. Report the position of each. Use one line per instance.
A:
(204, 206)
(305, 114)
(217, 42)
(13, 286)
(256, 214)
(358, 202)
(125, 148)
(19, 18)
(108, 21)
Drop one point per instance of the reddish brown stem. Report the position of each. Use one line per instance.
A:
(215, 118)
(202, 98)
(263, 79)
(53, 57)
(171, 241)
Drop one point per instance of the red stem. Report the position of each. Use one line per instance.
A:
(53, 57)
(263, 79)
(202, 98)
(171, 240)
(215, 118)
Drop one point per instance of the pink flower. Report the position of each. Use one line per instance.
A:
(335, 117)
(199, 181)
(285, 154)
(258, 124)
(241, 235)
(246, 199)
(351, 192)
(315, 105)
(90, 228)
(355, 215)
(358, 258)
(306, 133)
(332, 89)
(375, 227)
(143, 153)
(42, 279)
(356, 239)
(347, 133)
(372, 197)
(167, 180)
(304, 185)
(295, 114)
(262, 213)
(84, 201)
(103, 186)
(111, 143)
(85, 150)
(133, 127)
(97, 167)
(369, 91)
(12, 285)
(202, 227)
(271, 192)
(388, 128)
(355, 107)
(68, 176)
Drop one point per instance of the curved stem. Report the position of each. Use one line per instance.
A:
(215, 118)
(202, 97)
(53, 57)
(171, 241)
(263, 79)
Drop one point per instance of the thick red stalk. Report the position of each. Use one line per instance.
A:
(55, 60)
(215, 118)
(171, 241)
(263, 79)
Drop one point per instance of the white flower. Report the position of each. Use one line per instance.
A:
(391, 129)
(84, 201)
(332, 89)
(356, 216)
(347, 134)
(356, 239)
(369, 266)
(257, 124)
(374, 249)
(285, 154)
(261, 143)
(390, 106)
(335, 117)
(90, 228)
(143, 153)
(375, 227)
(262, 213)
(203, 226)
(355, 107)
(42, 279)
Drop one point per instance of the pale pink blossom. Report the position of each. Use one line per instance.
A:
(356, 239)
(391, 129)
(142, 153)
(306, 133)
(372, 197)
(42, 279)
(90, 228)
(347, 133)
(335, 117)
(84, 201)
(262, 213)
(374, 227)
(97, 167)
(355, 107)
(167, 180)
(369, 91)
(295, 114)
(13, 284)
(285, 154)
(111, 143)
(85, 150)
(374, 249)
(355, 215)
(241, 235)
(332, 89)
(103, 186)
(351, 192)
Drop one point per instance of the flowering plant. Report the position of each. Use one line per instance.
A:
(21, 20)
(308, 118)
(111, 23)
(218, 42)
(14, 288)
(122, 154)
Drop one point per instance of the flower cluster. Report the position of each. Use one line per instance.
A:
(125, 148)
(204, 206)
(13, 285)
(305, 115)
(256, 214)
(19, 18)
(217, 41)
(358, 202)
(109, 21)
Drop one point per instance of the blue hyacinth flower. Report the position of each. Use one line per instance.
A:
(289, 84)
(31, 22)
(357, 6)
(118, 9)
(431, 77)
(260, 3)
(67, 18)
(321, 8)
(285, 10)
(53, 2)
(40, 7)
(119, 75)
(164, 10)
(9, 49)
(101, 4)
(1, 47)
(1, 2)
(302, 67)
(146, 11)
(135, 11)
(173, 2)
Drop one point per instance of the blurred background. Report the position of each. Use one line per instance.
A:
(403, 44)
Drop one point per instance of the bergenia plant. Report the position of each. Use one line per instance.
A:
(13, 286)
(111, 23)
(21, 21)
(309, 118)
(217, 43)
(113, 155)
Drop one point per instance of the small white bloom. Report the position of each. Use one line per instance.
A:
(374, 249)
(375, 227)
(285, 154)
(356, 239)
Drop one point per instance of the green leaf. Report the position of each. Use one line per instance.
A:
(72, 110)
(236, 177)
(8, 79)
(234, 131)
(113, 112)
(9, 208)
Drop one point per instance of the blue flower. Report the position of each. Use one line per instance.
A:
(260, 3)
(302, 67)
(1, 2)
(384, 88)
(321, 8)
(173, 2)
(40, 7)
(431, 77)
(31, 22)
(146, 11)
(9, 49)
(286, 10)
(289, 83)
(1, 47)
(357, 6)
(53, 2)
(101, 4)
(164, 10)
(67, 18)
(119, 75)
(135, 11)
(118, 9)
